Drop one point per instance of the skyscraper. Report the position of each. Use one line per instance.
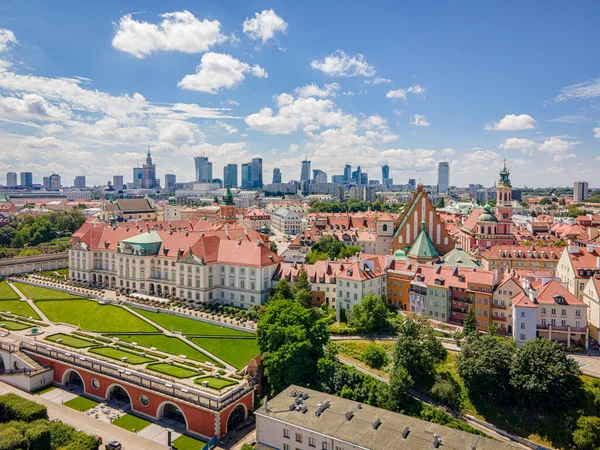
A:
(385, 174)
(137, 177)
(203, 169)
(580, 191)
(276, 175)
(11, 179)
(257, 173)
(170, 180)
(46, 182)
(347, 173)
(412, 184)
(230, 175)
(118, 182)
(149, 180)
(443, 177)
(54, 182)
(319, 176)
(26, 179)
(246, 175)
(305, 173)
(79, 182)
(357, 176)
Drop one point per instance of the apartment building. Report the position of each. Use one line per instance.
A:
(591, 297)
(576, 266)
(399, 276)
(506, 258)
(508, 288)
(365, 275)
(286, 221)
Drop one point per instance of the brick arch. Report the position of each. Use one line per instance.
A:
(111, 387)
(161, 409)
(227, 430)
(67, 374)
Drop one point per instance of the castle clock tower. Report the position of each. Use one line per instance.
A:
(504, 202)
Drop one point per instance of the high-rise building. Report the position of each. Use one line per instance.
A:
(26, 179)
(385, 174)
(356, 176)
(79, 182)
(580, 191)
(338, 179)
(137, 177)
(443, 177)
(257, 173)
(203, 169)
(319, 176)
(305, 172)
(230, 175)
(347, 173)
(54, 182)
(364, 178)
(118, 182)
(46, 182)
(246, 176)
(11, 179)
(170, 180)
(276, 175)
(412, 184)
(149, 180)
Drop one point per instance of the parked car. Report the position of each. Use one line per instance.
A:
(99, 439)
(113, 445)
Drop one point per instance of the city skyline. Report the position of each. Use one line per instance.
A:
(461, 98)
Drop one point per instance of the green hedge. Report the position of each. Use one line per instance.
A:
(11, 438)
(38, 435)
(65, 437)
(13, 407)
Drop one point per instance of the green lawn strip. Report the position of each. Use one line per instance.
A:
(174, 370)
(81, 403)
(41, 293)
(114, 353)
(184, 442)
(131, 423)
(236, 352)
(69, 341)
(216, 383)
(19, 308)
(43, 390)
(92, 316)
(167, 344)
(13, 326)
(189, 326)
(7, 293)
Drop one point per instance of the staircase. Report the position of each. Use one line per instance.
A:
(21, 370)
(34, 366)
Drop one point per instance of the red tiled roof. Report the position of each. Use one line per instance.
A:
(471, 222)
(523, 301)
(522, 252)
(548, 293)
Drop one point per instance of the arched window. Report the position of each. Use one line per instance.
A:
(384, 227)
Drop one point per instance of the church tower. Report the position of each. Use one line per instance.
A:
(504, 202)
(228, 209)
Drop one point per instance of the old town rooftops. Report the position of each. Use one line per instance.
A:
(522, 252)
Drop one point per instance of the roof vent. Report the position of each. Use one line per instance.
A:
(405, 433)
(304, 409)
(437, 441)
(292, 406)
(239, 241)
(376, 423)
(322, 408)
(349, 415)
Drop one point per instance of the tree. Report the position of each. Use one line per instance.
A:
(441, 203)
(349, 251)
(291, 340)
(374, 356)
(587, 434)
(545, 201)
(273, 247)
(542, 375)
(283, 289)
(371, 315)
(302, 282)
(315, 255)
(469, 323)
(446, 390)
(485, 362)
(399, 390)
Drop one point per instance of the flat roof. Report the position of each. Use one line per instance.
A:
(361, 428)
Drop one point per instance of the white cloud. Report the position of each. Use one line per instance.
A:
(229, 128)
(7, 38)
(230, 102)
(403, 93)
(32, 106)
(234, 40)
(264, 25)
(419, 120)
(342, 65)
(448, 152)
(293, 148)
(480, 156)
(177, 131)
(219, 71)
(597, 133)
(512, 122)
(312, 90)
(558, 147)
(179, 31)
(580, 91)
(378, 80)
(526, 145)
(348, 93)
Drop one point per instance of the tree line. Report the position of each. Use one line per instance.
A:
(29, 230)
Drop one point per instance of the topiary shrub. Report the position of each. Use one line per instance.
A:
(12, 439)
(38, 435)
(13, 407)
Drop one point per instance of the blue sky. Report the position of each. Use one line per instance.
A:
(86, 86)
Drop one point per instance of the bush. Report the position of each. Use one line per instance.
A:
(446, 390)
(375, 356)
(13, 407)
(65, 437)
(12, 439)
(38, 435)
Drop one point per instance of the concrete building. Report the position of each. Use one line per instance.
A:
(443, 177)
(170, 181)
(365, 275)
(502, 306)
(276, 175)
(286, 221)
(79, 182)
(230, 175)
(137, 177)
(257, 219)
(319, 176)
(149, 180)
(576, 266)
(203, 169)
(54, 182)
(506, 258)
(27, 179)
(118, 182)
(347, 173)
(128, 209)
(301, 418)
(256, 166)
(11, 179)
(305, 171)
(246, 176)
(591, 297)
(580, 191)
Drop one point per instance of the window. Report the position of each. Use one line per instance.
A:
(522, 313)
(286, 434)
(553, 311)
(522, 336)
(286, 446)
(522, 325)
(578, 312)
(325, 446)
(298, 437)
(543, 310)
(563, 312)
(312, 442)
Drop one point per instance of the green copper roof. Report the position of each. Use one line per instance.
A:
(504, 177)
(487, 215)
(458, 257)
(228, 197)
(144, 244)
(400, 255)
(423, 248)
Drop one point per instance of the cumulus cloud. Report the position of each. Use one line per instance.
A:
(219, 71)
(177, 131)
(480, 156)
(339, 64)
(378, 80)
(403, 93)
(560, 148)
(229, 128)
(419, 120)
(580, 91)
(525, 145)
(312, 90)
(7, 38)
(512, 122)
(597, 132)
(264, 26)
(179, 31)
(32, 106)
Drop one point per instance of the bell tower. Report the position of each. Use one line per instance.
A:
(504, 202)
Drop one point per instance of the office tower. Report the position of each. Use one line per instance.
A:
(46, 182)
(79, 182)
(338, 179)
(276, 175)
(305, 173)
(246, 176)
(412, 184)
(170, 180)
(203, 169)
(230, 175)
(443, 177)
(364, 178)
(11, 179)
(319, 176)
(580, 191)
(385, 174)
(54, 182)
(137, 177)
(517, 194)
(149, 180)
(347, 173)
(257, 174)
(26, 179)
(118, 182)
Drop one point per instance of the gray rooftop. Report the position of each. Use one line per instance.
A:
(359, 430)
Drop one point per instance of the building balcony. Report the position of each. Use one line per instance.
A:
(458, 310)
(498, 306)
(498, 318)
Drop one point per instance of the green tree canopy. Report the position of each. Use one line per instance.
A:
(283, 289)
(371, 315)
(470, 324)
(329, 247)
(587, 434)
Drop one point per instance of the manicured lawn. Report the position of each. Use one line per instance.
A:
(41, 293)
(131, 423)
(234, 351)
(184, 442)
(7, 293)
(81, 404)
(190, 326)
(132, 358)
(13, 326)
(70, 341)
(215, 383)
(92, 316)
(174, 370)
(19, 308)
(167, 344)
(44, 390)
